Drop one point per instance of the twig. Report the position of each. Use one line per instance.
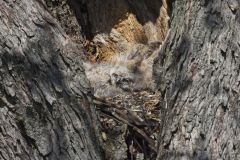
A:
(126, 117)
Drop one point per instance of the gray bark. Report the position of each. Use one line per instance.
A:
(45, 99)
(198, 73)
(45, 110)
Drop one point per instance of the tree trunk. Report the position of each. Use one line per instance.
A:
(198, 73)
(45, 110)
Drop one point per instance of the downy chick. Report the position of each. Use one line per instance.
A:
(134, 70)
(125, 72)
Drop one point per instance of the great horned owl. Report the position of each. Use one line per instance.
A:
(133, 71)
(129, 71)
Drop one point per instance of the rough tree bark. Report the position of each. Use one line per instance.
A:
(45, 110)
(198, 74)
(45, 107)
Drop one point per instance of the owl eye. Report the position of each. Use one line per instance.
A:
(125, 80)
(115, 75)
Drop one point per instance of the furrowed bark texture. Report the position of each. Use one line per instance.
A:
(45, 112)
(198, 72)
